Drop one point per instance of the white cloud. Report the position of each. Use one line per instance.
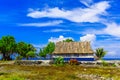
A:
(88, 37)
(51, 23)
(112, 47)
(58, 30)
(60, 38)
(92, 31)
(112, 29)
(90, 14)
(110, 44)
(86, 2)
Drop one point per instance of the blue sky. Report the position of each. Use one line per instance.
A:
(40, 21)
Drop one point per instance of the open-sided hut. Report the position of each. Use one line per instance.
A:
(80, 51)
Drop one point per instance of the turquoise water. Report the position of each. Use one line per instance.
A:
(111, 58)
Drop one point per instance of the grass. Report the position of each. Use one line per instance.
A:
(67, 72)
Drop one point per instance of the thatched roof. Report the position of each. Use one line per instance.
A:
(72, 47)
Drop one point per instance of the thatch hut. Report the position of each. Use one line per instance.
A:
(81, 51)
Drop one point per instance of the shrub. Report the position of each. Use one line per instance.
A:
(19, 57)
(114, 65)
(59, 61)
(73, 62)
(104, 63)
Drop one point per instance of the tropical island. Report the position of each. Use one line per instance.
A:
(59, 39)
(68, 60)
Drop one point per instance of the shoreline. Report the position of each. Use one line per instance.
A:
(115, 63)
(50, 62)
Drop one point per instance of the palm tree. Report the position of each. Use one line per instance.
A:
(100, 53)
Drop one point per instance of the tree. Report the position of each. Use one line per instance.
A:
(25, 50)
(68, 40)
(47, 50)
(30, 54)
(50, 47)
(100, 53)
(7, 46)
(22, 49)
(42, 53)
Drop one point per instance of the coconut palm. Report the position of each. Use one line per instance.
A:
(100, 53)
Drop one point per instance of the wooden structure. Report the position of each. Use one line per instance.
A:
(81, 51)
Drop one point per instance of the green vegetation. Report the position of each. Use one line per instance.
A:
(11, 77)
(7, 46)
(47, 50)
(100, 53)
(25, 50)
(59, 61)
(68, 40)
(42, 53)
(104, 63)
(30, 54)
(66, 72)
(50, 48)
(19, 57)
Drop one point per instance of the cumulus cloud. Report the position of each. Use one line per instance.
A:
(90, 14)
(112, 46)
(88, 37)
(60, 38)
(58, 30)
(51, 23)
